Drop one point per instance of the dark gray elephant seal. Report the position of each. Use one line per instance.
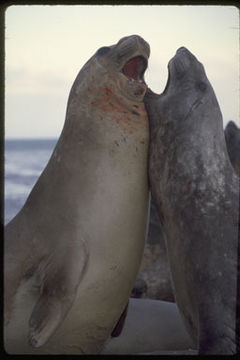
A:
(196, 191)
(77, 243)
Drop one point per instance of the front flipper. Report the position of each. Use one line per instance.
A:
(119, 326)
(46, 315)
(61, 274)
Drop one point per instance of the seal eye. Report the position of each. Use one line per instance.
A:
(202, 86)
(103, 50)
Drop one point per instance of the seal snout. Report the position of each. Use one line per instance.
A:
(181, 62)
(185, 55)
(128, 60)
(135, 41)
(181, 50)
(133, 52)
(143, 44)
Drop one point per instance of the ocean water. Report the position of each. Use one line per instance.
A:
(23, 164)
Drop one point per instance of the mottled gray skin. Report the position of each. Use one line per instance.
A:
(154, 280)
(196, 191)
(74, 249)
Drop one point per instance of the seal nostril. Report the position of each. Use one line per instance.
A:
(103, 50)
(181, 49)
(202, 86)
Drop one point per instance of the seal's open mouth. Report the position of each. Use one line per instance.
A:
(134, 68)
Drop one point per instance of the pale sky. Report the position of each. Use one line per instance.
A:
(46, 46)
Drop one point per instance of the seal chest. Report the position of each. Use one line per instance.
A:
(77, 244)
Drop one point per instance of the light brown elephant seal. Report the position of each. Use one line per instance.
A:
(77, 243)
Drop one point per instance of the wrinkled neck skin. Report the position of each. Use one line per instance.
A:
(187, 117)
(170, 111)
(99, 92)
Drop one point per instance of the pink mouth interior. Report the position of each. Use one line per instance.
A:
(133, 68)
